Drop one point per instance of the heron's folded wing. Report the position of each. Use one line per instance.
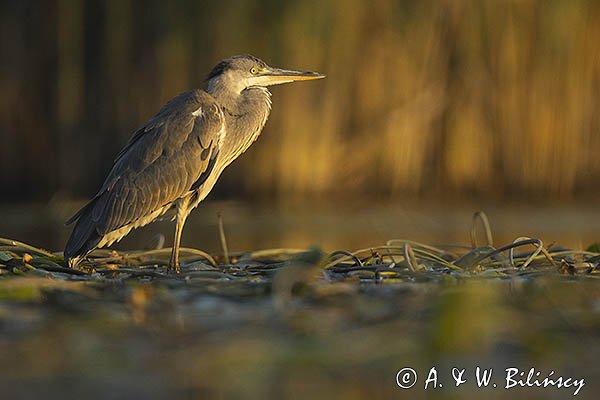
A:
(159, 164)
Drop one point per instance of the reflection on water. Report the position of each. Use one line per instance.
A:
(329, 226)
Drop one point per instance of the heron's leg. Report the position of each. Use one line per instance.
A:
(182, 213)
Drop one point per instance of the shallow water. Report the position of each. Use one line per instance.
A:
(328, 226)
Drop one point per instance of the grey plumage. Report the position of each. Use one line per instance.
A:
(174, 160)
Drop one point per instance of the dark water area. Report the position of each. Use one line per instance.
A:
(253, 226)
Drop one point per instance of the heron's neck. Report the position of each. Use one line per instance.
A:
(245, 115)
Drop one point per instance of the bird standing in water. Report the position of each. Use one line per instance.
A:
(174, 160)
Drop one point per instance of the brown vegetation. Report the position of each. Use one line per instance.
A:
(492, 97)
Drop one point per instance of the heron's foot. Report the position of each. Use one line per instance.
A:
(174, 266)
(174, 261)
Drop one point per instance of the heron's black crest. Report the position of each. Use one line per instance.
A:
(217, 70)
(234, 62)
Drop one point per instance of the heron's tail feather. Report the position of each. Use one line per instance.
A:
(85, 236)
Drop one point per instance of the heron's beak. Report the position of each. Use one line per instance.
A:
(277, 76)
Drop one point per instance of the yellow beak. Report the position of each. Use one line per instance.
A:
(277, 76)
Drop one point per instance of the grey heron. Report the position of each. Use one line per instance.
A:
(173, 161)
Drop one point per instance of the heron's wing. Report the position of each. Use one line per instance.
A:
(160, 164)
(156, 122)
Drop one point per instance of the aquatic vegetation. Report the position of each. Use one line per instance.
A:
(396, 260)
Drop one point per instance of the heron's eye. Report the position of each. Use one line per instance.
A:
(254, 70)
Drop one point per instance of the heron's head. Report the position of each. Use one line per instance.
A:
(240, 72)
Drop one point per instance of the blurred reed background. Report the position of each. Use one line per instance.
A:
(423, 98)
